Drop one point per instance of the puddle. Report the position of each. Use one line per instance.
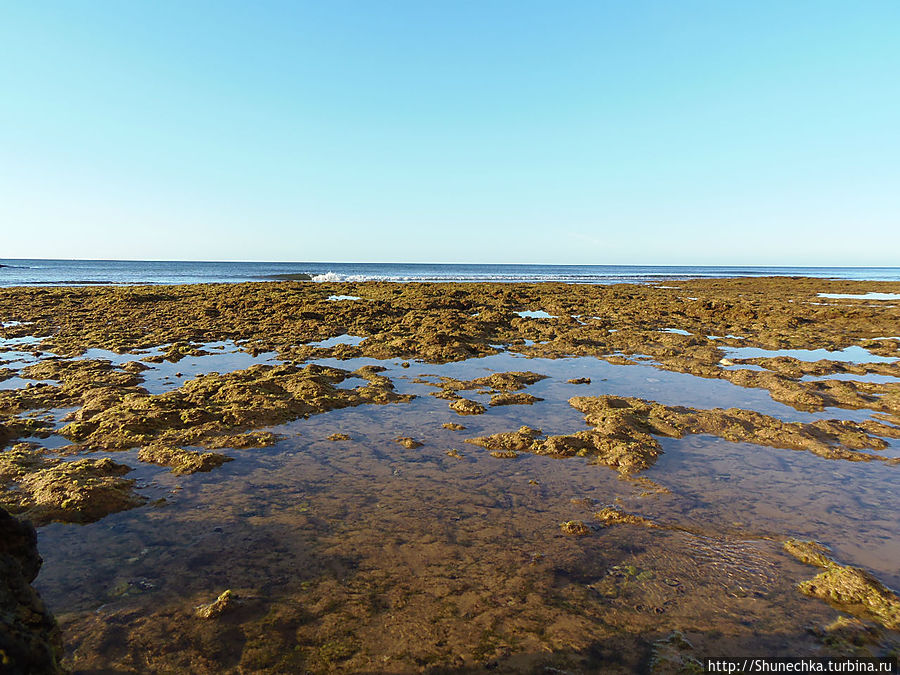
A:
(868, 377)
(862, 296)
(535, 314)
(351, 340)
(676, 331)
(854, 354)
(335, 298)
(226, 358)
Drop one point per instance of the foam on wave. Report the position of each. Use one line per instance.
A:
(333, 278)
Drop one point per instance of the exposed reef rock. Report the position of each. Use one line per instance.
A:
(408, 443)
(180, 460)
(213, 406)
(849, 588)
(624, 428)
(225, 602)
(519, 398)
(30, 641)
(465, 406)
(496, 384)
(611, 515)
(50, 489)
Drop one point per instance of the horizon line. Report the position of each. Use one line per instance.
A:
(508, 264)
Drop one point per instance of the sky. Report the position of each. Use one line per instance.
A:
(598, 132)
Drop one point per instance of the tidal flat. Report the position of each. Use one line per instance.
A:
(450, 478)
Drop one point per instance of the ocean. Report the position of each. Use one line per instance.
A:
(21, 272)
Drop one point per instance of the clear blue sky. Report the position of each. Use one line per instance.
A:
(758, 132)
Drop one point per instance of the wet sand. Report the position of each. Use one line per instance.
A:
(365, 554)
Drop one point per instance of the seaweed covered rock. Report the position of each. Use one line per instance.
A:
(674, 655)
(465, 406)
(211, 410)
(624, 431)
(610, 515)
(625, 450)
(180, 460)
(225, 602)
(850, 588)
(513, 398)
(408, 442)
(30, 640)
(47, 489)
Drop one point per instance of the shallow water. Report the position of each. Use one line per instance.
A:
(327, 343)
(854, 354)
(861, 296)
(535, 314)
(362, 552)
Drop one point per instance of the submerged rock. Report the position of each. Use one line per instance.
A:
(575, 528)
(453, 426)
(674, 655)
(30, 641)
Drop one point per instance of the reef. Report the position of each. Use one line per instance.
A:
(465, 406)
(575, 528)
(45, 489)
(509, 398)
(695, 329)
(206, 409)
(610, 515)
(675, 655)
(849, 588)
(225, 602)
(452, 322)
(408, 443)
(624, 430)
(181, 461)
(30, 641)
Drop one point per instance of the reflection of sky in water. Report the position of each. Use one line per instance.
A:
(854, 354)
(863, 296)
(335, 298)
(869, 377)
(535, 314)
(351, 340)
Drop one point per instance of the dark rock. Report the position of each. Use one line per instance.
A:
(30, 640)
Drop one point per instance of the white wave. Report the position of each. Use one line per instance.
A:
(333, 278)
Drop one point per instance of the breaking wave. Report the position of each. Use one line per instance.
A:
(332, 277)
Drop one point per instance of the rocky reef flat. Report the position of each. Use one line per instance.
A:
(291, 476)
